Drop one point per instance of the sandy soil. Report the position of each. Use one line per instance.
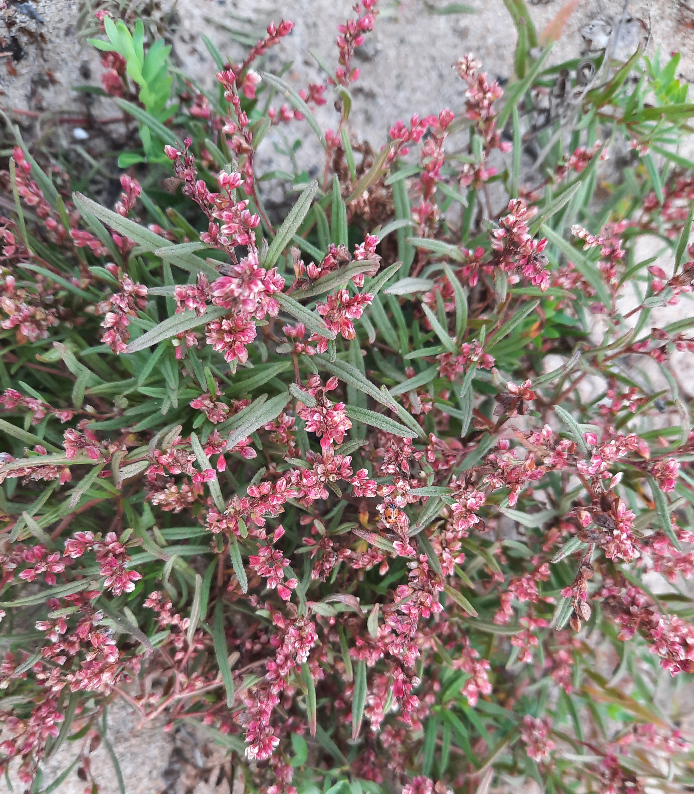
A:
(406, 68)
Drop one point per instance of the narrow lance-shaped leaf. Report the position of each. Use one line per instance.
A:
(312, 320)
(376, 285)
(310, 697)
(262, 414)
(163, 133)
(205, 465)
(460, 302)
(440, 331)
(237, 563)
(574, 430)
(438, 247)
(179, 323)
(661, 506)
(220, 648)
(409, 286)
(334, 280)
(380, 421)
(139, 234)
(293, 97)
(292, 222)
(358, 698)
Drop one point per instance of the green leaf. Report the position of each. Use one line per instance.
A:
(205, 465)
(572, 426)
(195, 610)
(59, 591)
(22, 435)
(515, 92)
(237, 563)
(684, 239)
(460, 302)
(429, 748)
(380, 421)
(533, 520)
(312, 320)
(310, 697)
(344, 650)
(555, 205)
(460, 599)
(177, 324)
(21, 225)
(372, 621)
(514, 322)
(562, 613)
(262, 374)
(572, 546)
(427, 376)
(336, 279)
(438, 247)
(353, 377)
(655, 177)
(375, 286)
(300, 750)
(163, 133)
(220, 649)
(375, 540)
(588, 270)
(58, 280)
(257, 415)
(661, 506)
(183, 256)
(440, 331)
(109, 748)
(294, 99)
(358, 697)
(338, 218)
(139, 234)
(409, 286)
(328, 744)
(291, 223)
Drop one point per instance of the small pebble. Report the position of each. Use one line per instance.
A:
(28, 10)
(80, 135)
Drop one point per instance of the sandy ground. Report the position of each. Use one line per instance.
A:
(406, 68)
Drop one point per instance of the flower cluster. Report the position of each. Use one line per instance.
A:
(370, 472)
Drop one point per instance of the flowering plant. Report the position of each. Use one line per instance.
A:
(392, 491)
